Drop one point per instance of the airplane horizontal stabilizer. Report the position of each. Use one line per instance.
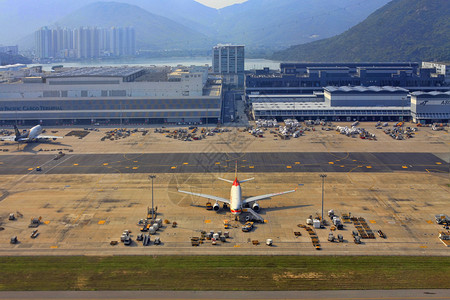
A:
(245, 180)
(230, 181)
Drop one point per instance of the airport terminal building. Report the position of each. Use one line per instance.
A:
(356, 103)
(306, 78)
(113, 95)
(430, 107)
(348, 91)
(340, 104)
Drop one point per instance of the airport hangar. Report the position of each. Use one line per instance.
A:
(356, 103)
(113, 95)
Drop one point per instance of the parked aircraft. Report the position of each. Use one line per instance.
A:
(34, 134)
(236, 203)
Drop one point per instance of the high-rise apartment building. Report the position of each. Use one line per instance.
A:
(44, 42)
(228, 61)
(122, 41)
(85, 42)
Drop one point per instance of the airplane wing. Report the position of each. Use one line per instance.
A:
(215, 198)
(11, 138)
(262, 197)
(48, 137)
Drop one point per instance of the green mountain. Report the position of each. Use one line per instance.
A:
(278, 24)
(402, 30)
(153, 32)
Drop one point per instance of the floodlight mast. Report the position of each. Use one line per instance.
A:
(323, 176)
(153, 209)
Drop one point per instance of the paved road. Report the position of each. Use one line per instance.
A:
(222, 163)
(341, 295)
(228, 108)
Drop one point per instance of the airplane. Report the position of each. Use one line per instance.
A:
(236, 203)
(29, 136)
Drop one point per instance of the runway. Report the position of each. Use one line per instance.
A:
(222, 163)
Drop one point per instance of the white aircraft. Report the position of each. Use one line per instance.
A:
(29, 136)
(236, 203)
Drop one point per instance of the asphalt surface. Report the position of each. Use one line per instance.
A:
(222, 163)
(338, 295)
(228, 107)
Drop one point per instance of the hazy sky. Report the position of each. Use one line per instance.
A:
(219, 3)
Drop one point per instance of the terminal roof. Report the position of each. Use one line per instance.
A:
(98, 72)
(364, 89)
(433, 93)
(315, 106)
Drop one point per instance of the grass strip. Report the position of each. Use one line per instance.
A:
(255, 273)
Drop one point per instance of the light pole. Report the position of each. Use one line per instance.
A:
(323, 181)
(153, 210)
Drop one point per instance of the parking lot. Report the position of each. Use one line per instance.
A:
(237, 140)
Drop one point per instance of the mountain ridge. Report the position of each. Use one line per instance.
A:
(402, 30)
(151, 30)
(265, 24)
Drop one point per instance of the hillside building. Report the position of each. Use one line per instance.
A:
(11, 50)
(302, 68)
(440, 69)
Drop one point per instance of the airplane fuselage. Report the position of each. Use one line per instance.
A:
(236, 198)
(235, 202)
(34, 132)
(31, 134)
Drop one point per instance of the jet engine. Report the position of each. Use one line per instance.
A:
(225, 206)
(255, 207)
(216, 206)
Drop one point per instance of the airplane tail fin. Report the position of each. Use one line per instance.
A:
(16, 130)
(235, 176)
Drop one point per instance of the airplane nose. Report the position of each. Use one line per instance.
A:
(236, 211)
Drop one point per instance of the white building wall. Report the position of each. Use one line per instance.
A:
(188, 86)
